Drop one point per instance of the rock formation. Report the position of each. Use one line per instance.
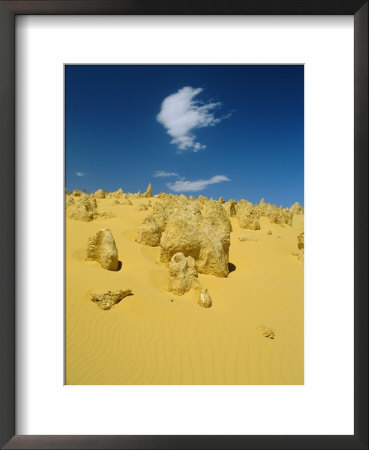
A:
(300, 241)
(207, 243)
(296, 208)
(77, 193)
(69, 200)
(214, 214)
(281, 216)
(160, 215)
(247, 215)
(180, 236)
(230, 208)
(118, 194)
(300, 247)
(108, 299)
(182, 274)
(148, 192)
(101, 248)
(149, 232)
(188, 227)
(205, 299)
(99, 194)
(183, 277)
(84, 208)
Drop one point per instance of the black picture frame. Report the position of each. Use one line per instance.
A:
(8, 11)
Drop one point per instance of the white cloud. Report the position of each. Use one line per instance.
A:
(80, 174)
(198, 185)
(163, 173)
(180, 114)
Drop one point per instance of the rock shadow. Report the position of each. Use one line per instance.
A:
(231, 267)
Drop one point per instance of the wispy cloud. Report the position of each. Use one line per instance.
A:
(163, 173)
(184, 185)
(180, 114)
(80, 174)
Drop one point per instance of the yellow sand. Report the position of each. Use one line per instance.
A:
(149, 339)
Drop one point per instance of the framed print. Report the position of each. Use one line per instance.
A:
(162, 166)
(187, 228)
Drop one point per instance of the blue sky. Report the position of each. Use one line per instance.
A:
(230, 130)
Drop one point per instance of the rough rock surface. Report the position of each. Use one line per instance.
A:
(182, 274)
(199, 230)
(206, 238)
(205, 299)
(213, 213)
(230, 208)
(101, 248)
(180, 236)
(248, 216)
(149, 232)
(84, 208)
(215, 241)
(108, 299)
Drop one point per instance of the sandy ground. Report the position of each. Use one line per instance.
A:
(155, 337)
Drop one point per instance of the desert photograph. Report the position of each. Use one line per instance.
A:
(184, 224)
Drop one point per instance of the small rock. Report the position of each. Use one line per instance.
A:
(205, 299)
(108, 299)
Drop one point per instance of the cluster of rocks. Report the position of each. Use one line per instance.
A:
(201, 231)
(120, 194)
(193, 234)
(249, 214)
(101, 247)
(81, 207)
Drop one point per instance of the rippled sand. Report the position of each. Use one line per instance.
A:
(253, 333)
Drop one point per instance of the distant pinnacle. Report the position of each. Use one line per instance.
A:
(148, 192)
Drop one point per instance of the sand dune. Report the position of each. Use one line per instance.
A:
(157, 337)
